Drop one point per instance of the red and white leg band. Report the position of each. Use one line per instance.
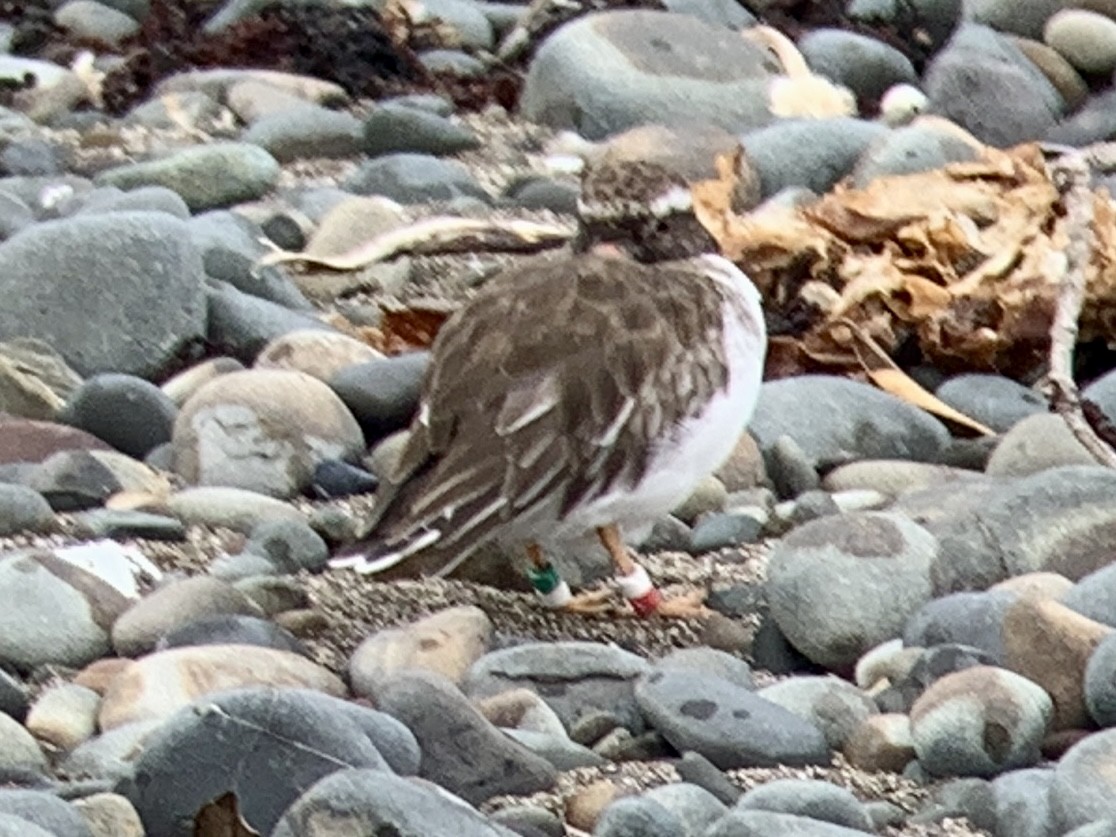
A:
(642, 595)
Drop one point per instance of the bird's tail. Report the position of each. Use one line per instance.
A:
(371, 557)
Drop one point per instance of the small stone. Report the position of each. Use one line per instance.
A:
(709, 496)
(865, 65)
(729, 726)
(811, 798)
(522, 709)
(718, 531)
(121, 525)
(364, 801)
(232, 630)
(35, 379)
(700, 771)
(392, 128)
(1087, 39)
(159, 684)
(64, 716)
(128, 412)
(576, 678)
(872, 571)
(320, 354)
(447, 642)
(846, 421)
(173, 606)
(382, 394)
(95, 21)
(266, 746)
(833, 705)
(791, 471)
(584, 807)
(45, 810)
(18, 749)
(1035, 444)
(230, 508)
(23, 509)
(186, 383)
(414, 178)
(980, 722)
(638, 815)
(205, 176)
(305, 130)
(334, 479)
(881, 743)
(477, 762)
(262, 430)
(291, 546)
(994, 400)
(1082, 790)
(110, 815)
(1051, 645)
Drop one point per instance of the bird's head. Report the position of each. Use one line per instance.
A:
(635, 192)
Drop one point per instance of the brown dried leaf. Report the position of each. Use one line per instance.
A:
(899, 383)
(413, 327)
(885, 374)
(221, 818)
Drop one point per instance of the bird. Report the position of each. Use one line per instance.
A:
(585, 393)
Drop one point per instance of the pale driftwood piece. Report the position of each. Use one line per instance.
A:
(433, 236)
(1071, 174)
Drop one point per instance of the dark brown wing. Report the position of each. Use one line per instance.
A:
(550, 386)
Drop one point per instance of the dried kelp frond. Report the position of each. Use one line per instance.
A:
(353, 46)
(965, 260)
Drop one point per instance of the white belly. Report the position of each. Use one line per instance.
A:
(700, 445)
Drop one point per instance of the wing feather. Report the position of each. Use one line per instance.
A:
(547, 389)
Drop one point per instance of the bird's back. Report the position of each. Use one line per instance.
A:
(551, 388)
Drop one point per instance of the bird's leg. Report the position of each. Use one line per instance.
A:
(555, 593)
(644, 597)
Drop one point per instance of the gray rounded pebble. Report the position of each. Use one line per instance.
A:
(361, 801)
(812, 798)
(382, 394)
(415, 178)
(127, 412)
(1022, 803)
(46, 811)
(232, 629)
(810, 153)
(205, 176)
(290, 545)
(841, 585)
(396, 128)
(863, 64)
(909, 150)
(95, 21)
(452, 62)
(1100, 682)
(994, 400)
(23, 509)
(637, 817)
(770, 823)
(306, 131)
(144, 199)
(984, 82)
(153, 307)
(836, 420)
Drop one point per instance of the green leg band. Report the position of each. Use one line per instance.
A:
(544, 579)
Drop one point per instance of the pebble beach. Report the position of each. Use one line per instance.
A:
(229, 232)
